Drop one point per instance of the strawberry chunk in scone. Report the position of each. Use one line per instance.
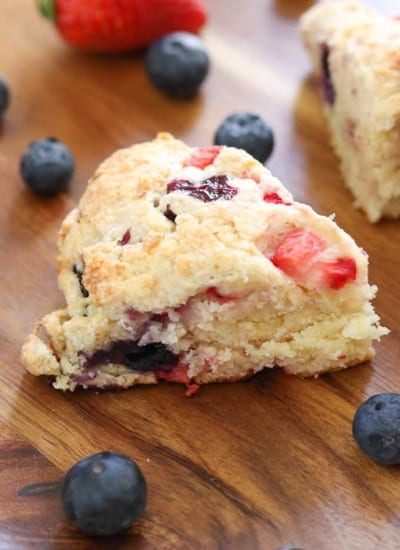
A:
(202, 156)
(301, 257)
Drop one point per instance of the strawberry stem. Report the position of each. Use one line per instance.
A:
(48, 9)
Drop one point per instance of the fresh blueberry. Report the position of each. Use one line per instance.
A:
(47, 166)
(104, 493)
(246, 131)
(376, 427)
(177, 64)
(4, 96)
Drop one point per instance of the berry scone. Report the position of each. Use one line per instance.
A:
(195, 265)
(355, 53)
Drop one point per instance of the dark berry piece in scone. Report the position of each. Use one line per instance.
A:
(246, 131)
(177, 64)
(327, 84)
(47, 166)
(196, 265)
(210, 189)
(126, 237)
(104, 493)
(355, 55)
(4, 95)
(376, 427)
(79, 272)
(141, 358)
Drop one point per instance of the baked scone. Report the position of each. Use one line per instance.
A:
(196, 265)
(355, 53)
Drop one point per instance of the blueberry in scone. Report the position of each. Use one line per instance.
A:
(355, 54)
(196, 265)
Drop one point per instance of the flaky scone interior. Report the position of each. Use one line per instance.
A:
(196, 265)
(355, 53)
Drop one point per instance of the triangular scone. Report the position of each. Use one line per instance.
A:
(355, 53)
(195, 265)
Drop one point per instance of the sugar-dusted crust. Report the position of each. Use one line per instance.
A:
(355, 53)
(164, 265)
(145, 267)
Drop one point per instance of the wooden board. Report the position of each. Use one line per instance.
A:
(266, 463)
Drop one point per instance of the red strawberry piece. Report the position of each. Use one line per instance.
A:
(338, 272)
(191, 389)
(179, 374)
(202, 157)
(122, 25)
(295, 255)
(274, 198)
(176, 374)
(126, 237)
(300, 256)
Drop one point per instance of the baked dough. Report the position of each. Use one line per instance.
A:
(196, 265)
(355, 53)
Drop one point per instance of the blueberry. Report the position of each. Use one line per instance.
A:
(210, 189)
(47, 166)
(152, 357)
(177, 64)
(170, 214)
(104, 493)
(327, 83)
(4, 95)
(79, 274)
(376, 427)
(246, 131)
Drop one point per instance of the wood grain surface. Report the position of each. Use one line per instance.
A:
(262, 464)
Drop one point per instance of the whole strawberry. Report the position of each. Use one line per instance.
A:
(122, 25)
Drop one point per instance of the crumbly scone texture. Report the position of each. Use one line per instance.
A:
(355, 53)
(196, 265)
